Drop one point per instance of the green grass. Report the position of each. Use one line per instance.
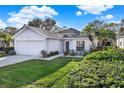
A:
(38, 73)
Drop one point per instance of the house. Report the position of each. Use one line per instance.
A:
(32, 40)
(120, 38)
(73, 40)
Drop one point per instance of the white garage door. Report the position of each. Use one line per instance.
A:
(29, 47)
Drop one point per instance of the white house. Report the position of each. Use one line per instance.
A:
(120, 38)
(32, 40)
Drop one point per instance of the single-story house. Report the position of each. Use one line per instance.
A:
(120, 38)
(31, 41)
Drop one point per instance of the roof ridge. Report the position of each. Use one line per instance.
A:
(46, 32)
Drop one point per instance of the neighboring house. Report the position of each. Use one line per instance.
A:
(120, 38)
(32, 40)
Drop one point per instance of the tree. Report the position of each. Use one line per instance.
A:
(35, 22)
(6, 37)
(113, 26)
(89, 31)
(105, 35)
(122, 22)
(101, 31)
(47, 24)
(11, 30)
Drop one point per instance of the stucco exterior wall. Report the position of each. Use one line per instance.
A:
(72, 43)
(26, 39)
(120, 42)
(55, 45)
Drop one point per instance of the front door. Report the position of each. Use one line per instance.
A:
(67, 45)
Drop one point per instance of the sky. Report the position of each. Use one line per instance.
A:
(65, 15)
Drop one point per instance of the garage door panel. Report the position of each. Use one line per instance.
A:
(29, 47)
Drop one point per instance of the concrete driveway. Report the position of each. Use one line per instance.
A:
(8, 60)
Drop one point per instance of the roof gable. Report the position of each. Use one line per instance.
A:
(70, 33)
(70, 30)
(47, 34)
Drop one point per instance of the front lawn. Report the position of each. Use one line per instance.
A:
(38, 73)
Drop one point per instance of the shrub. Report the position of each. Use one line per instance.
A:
(2, 54)
(66, 53)
(85, 53)
(7, 49)
(121, 49)
(108, 47)
(99, 69)
(11, 52)
(72, 53)
(97, 74)
(44, 53)
(51, 53)
(108, 55)
(56, 52)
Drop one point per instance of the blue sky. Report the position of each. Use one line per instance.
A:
(70, 16)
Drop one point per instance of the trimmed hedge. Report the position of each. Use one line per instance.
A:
(108, 55)
(98, 70)
(97, 74)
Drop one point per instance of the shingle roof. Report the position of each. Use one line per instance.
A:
(49, 34)
(70, 30)
(75, 33)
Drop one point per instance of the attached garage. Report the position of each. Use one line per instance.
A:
(32, 40)
(29, 47)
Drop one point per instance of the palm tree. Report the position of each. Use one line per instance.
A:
(101, 31)
(6, 37)
(89, 30)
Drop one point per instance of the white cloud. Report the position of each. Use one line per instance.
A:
(107, 17)
(2, 24)
(78, 13)
(29, 12)
(113, 21)
(94, 9)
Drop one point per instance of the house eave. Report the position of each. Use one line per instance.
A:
(25, 29)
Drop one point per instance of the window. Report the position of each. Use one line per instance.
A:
(80, 45)
(120, 43)
(67, 46)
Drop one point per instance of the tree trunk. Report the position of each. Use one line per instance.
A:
(91, 39)
(93, 44)
(103, 44)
